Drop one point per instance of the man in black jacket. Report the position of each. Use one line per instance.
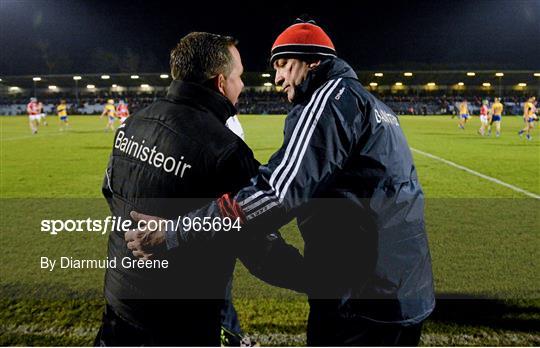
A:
(346, 173)
(167, 159)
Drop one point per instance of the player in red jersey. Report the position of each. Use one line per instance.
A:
(484, 118)
(32, 109)
(42, 115)
(122, 111)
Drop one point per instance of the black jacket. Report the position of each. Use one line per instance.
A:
(346, 173)
(168, 159)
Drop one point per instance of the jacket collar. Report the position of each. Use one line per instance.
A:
(329, 69)
(198, 94)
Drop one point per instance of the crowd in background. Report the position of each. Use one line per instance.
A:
(259, 102)
(447, 105)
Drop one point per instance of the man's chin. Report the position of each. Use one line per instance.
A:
(290, 97)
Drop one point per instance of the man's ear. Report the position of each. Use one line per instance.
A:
(220, 83)
(314, 65)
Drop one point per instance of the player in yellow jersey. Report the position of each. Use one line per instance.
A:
(110, 111)
(464, 113)
(496, 116)
(61, 111)
(529, 116)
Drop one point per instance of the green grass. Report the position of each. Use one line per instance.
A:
(484, 237)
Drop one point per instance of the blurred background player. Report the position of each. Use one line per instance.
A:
(110, 111)
(529, 116)
(464, 113)
(33, 115)
(496, 117)
(42, 114)
(122, 111)
(61, 110)
(484, 118)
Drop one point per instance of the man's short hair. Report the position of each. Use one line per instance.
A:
(201, 56)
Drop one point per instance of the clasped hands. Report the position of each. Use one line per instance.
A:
(145, 242)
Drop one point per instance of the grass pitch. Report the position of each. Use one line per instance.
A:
(484, 236)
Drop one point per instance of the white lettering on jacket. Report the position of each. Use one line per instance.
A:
(150, 155)
(383, 116)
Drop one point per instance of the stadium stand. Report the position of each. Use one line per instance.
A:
(265, 103)
(413, 93)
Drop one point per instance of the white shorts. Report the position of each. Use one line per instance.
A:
(483, 119)
(42, 115)
(34, 117)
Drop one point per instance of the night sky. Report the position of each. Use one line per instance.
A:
(58, 36)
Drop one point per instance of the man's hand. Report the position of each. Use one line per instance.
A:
(147, 240)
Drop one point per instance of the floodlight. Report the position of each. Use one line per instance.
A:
(114, 85)
(399, 84)
(373, 84)
(499, 74)
(164, 76)
(267, 84)
(486, 84)
(14, 88)
(134, 77)
(431, 84)
(461, 84)
(265, 75)
(77, 78)
(522, 84)
(471, 74)
(53, 87)
(36, 78)
(105, 77)
(408, 74)
(379, 74)
(144, 85)
(537, 74)
(90, 86)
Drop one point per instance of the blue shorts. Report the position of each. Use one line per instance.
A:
(111, 118)
(465, 116)
(63, 118)
(530, 119)
(496, 118)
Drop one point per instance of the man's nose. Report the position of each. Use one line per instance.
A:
(278, 79)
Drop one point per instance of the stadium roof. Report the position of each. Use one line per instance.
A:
(451, 77)
(251, 79)
(107, 80)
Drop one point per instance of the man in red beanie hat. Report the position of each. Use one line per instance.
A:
(346, 173)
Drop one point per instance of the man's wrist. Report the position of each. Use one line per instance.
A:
(171, 236)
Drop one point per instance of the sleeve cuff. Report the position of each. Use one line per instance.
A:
(171, 237)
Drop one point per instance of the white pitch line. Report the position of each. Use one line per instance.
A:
(483, 176)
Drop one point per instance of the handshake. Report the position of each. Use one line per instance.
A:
(145, 241)
(150, 236)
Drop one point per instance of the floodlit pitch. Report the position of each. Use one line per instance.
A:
(483, 234)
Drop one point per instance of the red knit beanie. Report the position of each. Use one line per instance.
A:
(302, 39)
